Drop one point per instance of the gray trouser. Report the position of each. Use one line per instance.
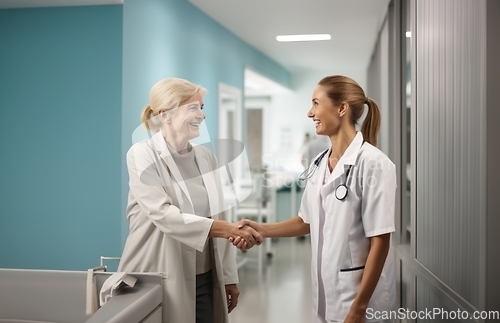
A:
(204, 298)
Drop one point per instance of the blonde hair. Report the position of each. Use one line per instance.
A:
(344, 89)
(167, 94)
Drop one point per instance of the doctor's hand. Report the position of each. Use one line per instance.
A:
(355, 316)
(239, 242)
(247, 237)
(231, 231)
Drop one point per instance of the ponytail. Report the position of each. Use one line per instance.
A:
(371, 124)
(146, 115)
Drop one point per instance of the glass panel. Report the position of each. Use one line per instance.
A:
(406, 126)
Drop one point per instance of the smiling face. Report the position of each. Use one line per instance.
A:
(181, 124)
(185, 120)
(323, 112)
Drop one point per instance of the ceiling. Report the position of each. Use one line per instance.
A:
(353, 25)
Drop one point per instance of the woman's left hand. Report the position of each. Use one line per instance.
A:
(232, 294)
(355, 316)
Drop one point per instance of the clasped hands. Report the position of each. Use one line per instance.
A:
(246, 234)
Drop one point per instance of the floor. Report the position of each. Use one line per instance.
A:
(281, 290)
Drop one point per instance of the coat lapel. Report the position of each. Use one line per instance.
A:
(161, 147)
(207, 174)
(317, 181)
(348, 159)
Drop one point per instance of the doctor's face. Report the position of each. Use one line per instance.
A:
(324, 114)
(185, 120)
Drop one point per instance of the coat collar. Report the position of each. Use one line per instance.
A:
(351, 154)
(348, 158)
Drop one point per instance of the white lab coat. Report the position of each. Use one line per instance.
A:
(368, 210)
(164, 234)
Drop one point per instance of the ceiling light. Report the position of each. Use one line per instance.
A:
(408, 34)
(313, 37)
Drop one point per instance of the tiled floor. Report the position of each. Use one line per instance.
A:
(281, 291)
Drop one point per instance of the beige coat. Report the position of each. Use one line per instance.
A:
(164, 234)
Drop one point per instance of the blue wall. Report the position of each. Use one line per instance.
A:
(72, 83)
(165, 38)
(60, 130)
(174, 39)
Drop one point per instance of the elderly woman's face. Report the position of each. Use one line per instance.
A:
(186, 119)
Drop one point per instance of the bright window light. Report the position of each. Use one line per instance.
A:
(408, 34)
(314, 37)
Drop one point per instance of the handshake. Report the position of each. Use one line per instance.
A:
(246, 233)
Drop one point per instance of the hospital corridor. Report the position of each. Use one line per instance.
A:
(280, 291)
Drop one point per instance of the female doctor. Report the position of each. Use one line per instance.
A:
(348, 208)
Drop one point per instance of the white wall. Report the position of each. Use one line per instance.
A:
(286, 120)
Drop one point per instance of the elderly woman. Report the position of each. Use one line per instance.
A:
(175, 208)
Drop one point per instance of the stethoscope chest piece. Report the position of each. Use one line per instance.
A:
(341, 192)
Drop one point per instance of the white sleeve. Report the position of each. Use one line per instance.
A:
(379, 197)
(304, 210)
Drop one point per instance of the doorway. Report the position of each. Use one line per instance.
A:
(230, 132)
(255, 125)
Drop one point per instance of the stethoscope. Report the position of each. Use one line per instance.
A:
(341, 190)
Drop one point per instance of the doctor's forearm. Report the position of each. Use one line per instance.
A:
(293, 227)
(373, 268)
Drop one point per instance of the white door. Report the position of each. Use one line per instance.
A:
(230, 149)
